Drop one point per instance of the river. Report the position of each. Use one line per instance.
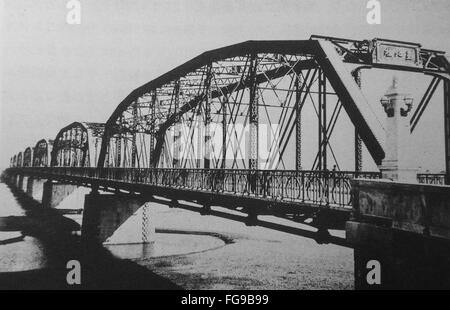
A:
(197, 252)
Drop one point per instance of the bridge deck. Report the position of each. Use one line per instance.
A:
(244, 188)
(321, 199)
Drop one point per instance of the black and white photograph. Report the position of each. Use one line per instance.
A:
(224, 150)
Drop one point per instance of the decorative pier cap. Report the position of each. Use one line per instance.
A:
(395, 92)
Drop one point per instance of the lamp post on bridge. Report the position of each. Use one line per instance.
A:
(397, 105)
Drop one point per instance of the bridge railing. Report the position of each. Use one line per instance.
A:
(433, 179)
(315, 187)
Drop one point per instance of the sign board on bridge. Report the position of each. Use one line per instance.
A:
(386, 52)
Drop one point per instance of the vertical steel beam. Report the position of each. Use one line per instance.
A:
(58, 151)
(76, 143)
(80, 155)
(322, 122)
(447, 129)
(108, 148)
(119, 144)
(166, 159)
(319, 121)
(207, 111)
(85, 152)
(298, 124)
(253, 114)
(76, 151)
(72, 148)
(134, 133)
(64, 149)
(358, 140)
(76, 148)
(177, 130)
(96, 151)
(152, 130)
(125, 160)
(224, 132)
(162, 158)
(199, 150)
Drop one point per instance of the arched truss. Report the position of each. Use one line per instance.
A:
(28, 157)
(41, 153)
(13, 161)
(77, 145)
(19, 160)
(169, 122)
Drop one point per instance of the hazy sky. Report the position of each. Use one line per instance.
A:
(53, 73)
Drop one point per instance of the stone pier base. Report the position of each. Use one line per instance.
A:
(20, 179)
(53, 193)
(405, 228)
(105, 213)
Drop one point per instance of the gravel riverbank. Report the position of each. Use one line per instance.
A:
(257, 258)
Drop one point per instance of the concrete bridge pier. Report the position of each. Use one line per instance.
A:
(36, 188)
(401, 235)
(13, 179)
(20, 181)
(25, 183)
(105, 213)
(54, 192)
(206, 208)
(252, 218)
(29, 188)
(322, 220)
(174, 203)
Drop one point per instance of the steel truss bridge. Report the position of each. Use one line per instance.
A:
(237, 126)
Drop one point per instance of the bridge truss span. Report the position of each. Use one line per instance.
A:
(28, 157)
(77, 145)
(42, 153)
(192, 116)
(261, 126)
(255, 106)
